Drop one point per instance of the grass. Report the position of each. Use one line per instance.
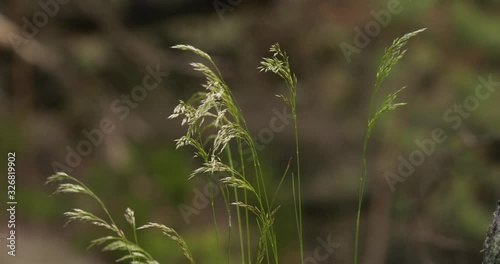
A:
(217, 132)
(391, 56)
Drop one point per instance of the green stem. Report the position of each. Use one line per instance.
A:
(230, 156)
(245, 197)
(362, 178)
(215, 218)
(299, 190)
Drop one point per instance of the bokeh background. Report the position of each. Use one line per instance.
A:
(64, 80)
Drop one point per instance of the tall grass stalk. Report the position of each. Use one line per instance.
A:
(391, 56)
(216, 119)
(279, 65)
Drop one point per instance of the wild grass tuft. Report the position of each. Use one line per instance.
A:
(279, 65)
(216, 127)
(217, 132)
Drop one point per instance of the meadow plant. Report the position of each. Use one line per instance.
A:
(118, 241)
(217, 132)
(391, 56)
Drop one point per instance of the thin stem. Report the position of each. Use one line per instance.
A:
(299, 189)
(135, 234)
(292, 86)
(225, 197)
(230, 157)
(214, 217)
(267, 209)
(243, 173)
(362, 178)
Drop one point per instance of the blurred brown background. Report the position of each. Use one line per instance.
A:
(67, 65)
